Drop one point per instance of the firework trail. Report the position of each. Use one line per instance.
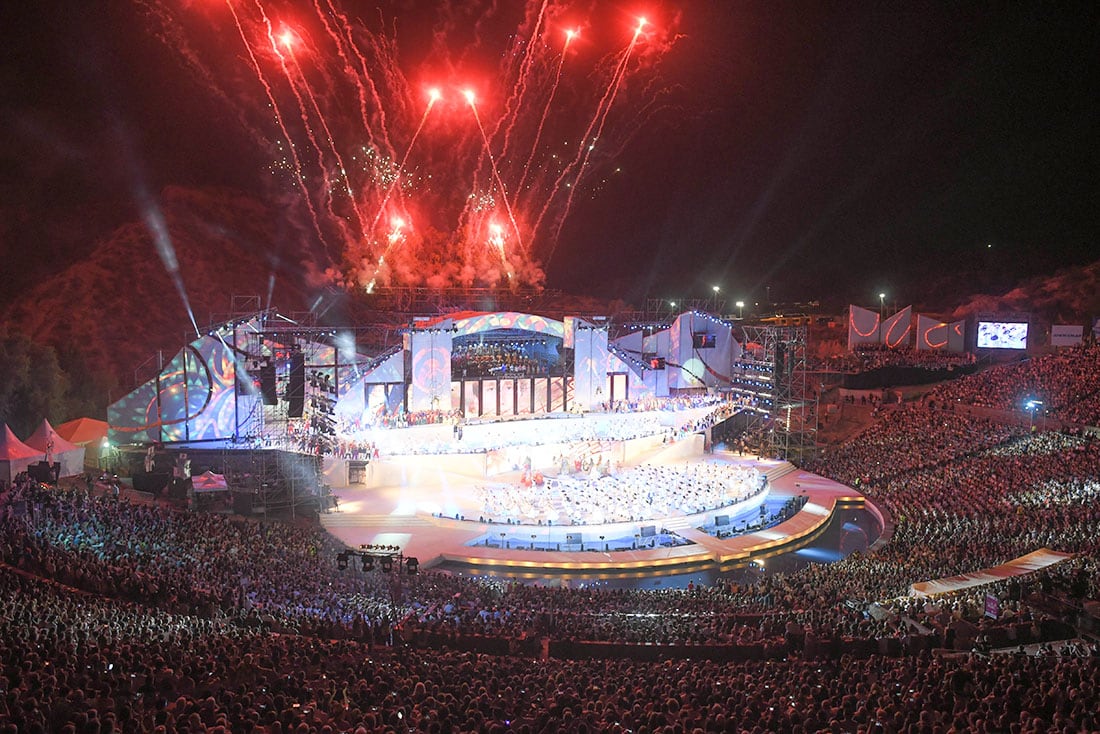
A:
(297, 164)
(496, 173)
(605, 103)
(433, 96)
(329, 138)
(588, 143)
(287, 40)
(520, 87)
(356, 90)
(172, 36)
(349, 43)
(569, 34)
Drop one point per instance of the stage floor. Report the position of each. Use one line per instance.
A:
(418, 514)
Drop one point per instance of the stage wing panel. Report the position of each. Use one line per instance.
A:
(701, 350)
(136, 417)
(391, 369)
(590, 365)
(931, 334)
(174, 398)
(636, 386)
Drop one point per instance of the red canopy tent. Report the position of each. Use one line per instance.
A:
(83, 431)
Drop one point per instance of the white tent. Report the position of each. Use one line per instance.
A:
(15, 456)
(47, 441)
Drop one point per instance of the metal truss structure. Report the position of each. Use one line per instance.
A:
(664, 309)
(772, 374)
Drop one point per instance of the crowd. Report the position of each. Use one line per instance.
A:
(76, 664)
(1067, 382)
(454, 434)
(118, 616)
(499, 359)
(606, 494)
(867, 357)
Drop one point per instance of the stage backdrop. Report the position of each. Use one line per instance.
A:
(701, 351)
(430, 355)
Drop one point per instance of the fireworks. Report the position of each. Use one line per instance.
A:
(472, 184)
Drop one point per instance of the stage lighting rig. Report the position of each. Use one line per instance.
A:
(385, 557)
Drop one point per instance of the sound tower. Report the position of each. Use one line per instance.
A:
(267, 384)
(296, 387)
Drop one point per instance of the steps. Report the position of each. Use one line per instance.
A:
(348, 520)
(781, 470)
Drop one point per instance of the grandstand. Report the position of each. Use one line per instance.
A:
(975, 611)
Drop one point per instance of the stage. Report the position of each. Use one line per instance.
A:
(504, 442)
(433, 507)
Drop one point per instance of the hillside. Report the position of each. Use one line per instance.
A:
(118, 304)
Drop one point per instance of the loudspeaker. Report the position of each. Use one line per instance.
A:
(151, 483)
(296, 387)
(242, 503)
(267, 384)
(44, 473)
(780, 359)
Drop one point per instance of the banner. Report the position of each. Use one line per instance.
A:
(863, 327)
(1066, 335)
(940, 336)
(897, 329)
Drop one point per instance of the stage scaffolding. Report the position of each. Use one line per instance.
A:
(773, 371)
(275, 450)
(275, 481)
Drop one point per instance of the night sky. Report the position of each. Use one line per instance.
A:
(827, 150)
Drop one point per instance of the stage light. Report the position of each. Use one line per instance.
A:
(469, 95)
(412, 566)
(387, 564)
(368, 563)
(342, 561)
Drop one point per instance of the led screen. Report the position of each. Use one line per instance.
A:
(703, 340)
(1002, 335)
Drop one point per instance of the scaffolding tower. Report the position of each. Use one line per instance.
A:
(772, 374)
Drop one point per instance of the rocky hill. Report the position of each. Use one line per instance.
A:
(117, 303)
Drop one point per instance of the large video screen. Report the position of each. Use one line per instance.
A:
(1002, 335)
